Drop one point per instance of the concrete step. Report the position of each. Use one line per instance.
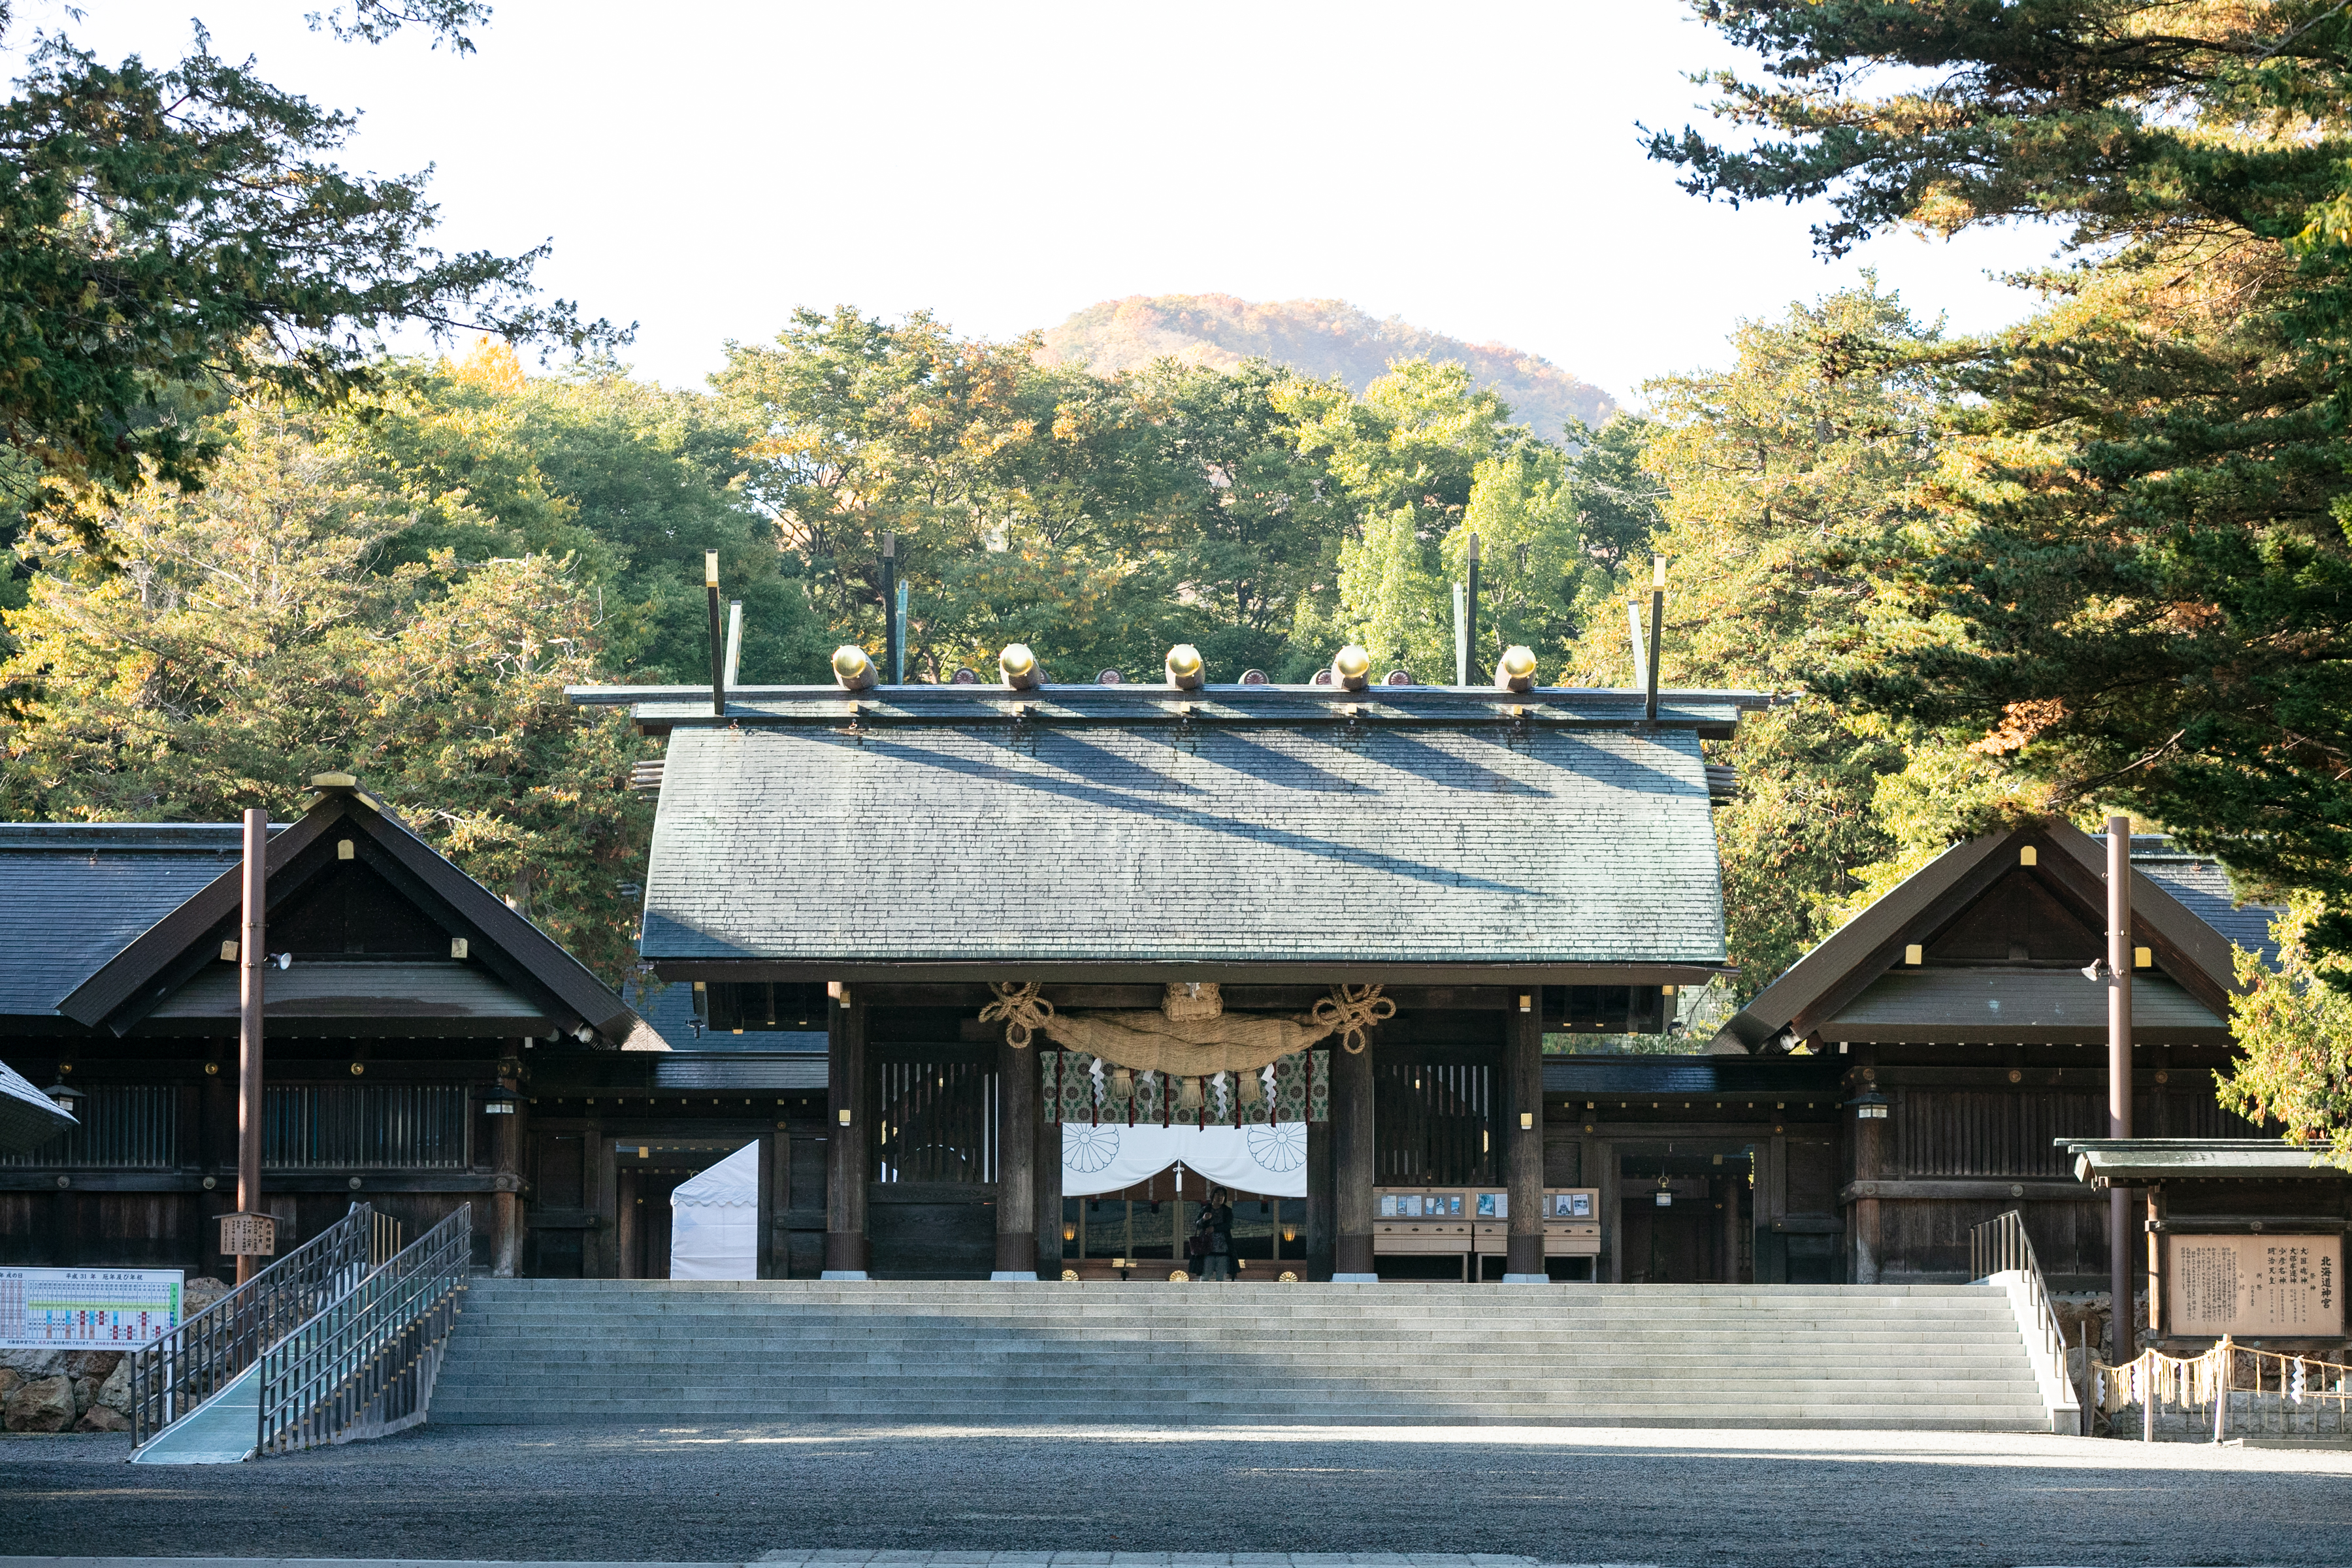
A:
(544, 1353)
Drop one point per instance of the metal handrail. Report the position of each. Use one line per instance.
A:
(2000, 1246)
(175, 1374)
(364, 1366)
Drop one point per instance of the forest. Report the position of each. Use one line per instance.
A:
(2095, 561)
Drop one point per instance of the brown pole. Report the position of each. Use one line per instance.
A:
(1523, 1261)
(2119, 1081)
(1351, 1124)
(249, 956)
(846, 1247)
(1019, 1086)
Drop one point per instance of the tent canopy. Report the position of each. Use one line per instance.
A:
(714, 1228)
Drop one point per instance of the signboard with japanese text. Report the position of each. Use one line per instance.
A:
(2288, 1285)
(72, 1309)
(244, 1235)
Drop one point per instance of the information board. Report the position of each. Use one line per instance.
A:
(2254, 1284)
(71, 1309)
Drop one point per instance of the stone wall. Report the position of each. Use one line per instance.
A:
(79, 1390)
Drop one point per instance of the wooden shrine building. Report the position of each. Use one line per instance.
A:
(1965, 1024)
(403, 1001)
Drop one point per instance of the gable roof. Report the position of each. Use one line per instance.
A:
(958, 831)
(1851, 980)
(72, 895)
(170, 969)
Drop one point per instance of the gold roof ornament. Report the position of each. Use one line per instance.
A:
(1018, 668)
(1351, 666)
(1185, 670)
(853, 667)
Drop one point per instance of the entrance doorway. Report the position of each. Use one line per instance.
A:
(1686, 1214)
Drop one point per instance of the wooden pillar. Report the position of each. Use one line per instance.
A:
(1351, 1129)
(1523, 1144)
(217, 1154)
(598, 1257)
(1321, 1207)
(2155, 1261)
(1730, 1227)
(1018, 1089)
(2120, 1269)
(1869, 1134)
(1610, 1265)
(1045, 1176)
(847, 1252)
(628, 1227)
(769, 1258)
(506, 1199)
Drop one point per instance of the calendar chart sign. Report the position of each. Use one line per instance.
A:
(68, 1309)
(2254, 1284)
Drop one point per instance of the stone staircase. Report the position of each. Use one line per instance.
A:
(545, 1351)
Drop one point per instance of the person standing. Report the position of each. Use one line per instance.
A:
(1216, 1226)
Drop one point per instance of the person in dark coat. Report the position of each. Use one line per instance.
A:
(1216, 1226)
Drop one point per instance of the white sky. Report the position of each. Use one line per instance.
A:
(704, 166)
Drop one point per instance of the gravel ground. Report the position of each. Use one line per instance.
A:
(678, 1494)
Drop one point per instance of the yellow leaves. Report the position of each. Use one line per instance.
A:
(2020, 723)
(490, 364)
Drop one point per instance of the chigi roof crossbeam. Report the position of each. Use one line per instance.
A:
(658, 709)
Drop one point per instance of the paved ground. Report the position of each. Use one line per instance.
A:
(737, 1494)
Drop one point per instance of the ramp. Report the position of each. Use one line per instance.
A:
(538, 1353)
(219, 1432)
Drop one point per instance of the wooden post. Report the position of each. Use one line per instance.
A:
(1470, 606)
(1657, 632)
(1523, 1262)
(1869, 1146)
(1045, 1174)
(2155, 1262)
(599, 1173)
(506, 1203)
(847, 1252)
(718, 643)
(768, 1260)
(249, 956)
(2119, 1081)
(1321, 1208)
(1018, 1089)
(627, 1227)
(893, 663)
(1351, 1129)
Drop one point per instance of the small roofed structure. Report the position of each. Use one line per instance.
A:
(2245, 1237)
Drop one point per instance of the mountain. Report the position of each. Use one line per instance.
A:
(1320, 337)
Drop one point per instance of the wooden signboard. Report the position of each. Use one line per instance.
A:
(248, 1235)
(2254, 1285)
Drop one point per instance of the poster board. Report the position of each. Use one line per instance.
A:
(77, 1308)
(2253, 1285)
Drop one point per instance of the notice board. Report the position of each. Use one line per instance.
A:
(80, 1309)
(2254, 1284)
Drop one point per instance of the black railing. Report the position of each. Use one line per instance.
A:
(378, 1126)
(364, 1366)
(172, 1375)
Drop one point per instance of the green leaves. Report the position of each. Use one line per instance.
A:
(171, 239)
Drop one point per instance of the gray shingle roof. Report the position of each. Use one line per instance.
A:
(2204, 886)
(1159, 843)
(27, 1120)
(72, 895)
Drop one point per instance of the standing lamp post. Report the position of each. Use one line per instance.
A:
(249, 959)
(2119, 1080)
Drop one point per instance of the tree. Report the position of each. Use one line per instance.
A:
(173, 237)
(1783, 487)
(2293, 1022)
(2136, 593)
(1406, 456)
(632, 480)
(233, 643)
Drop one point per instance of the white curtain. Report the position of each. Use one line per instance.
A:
(714, 1221)
(1270, 1161)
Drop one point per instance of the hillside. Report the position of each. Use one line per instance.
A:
(1322, 337)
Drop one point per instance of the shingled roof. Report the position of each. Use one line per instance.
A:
(953, 832)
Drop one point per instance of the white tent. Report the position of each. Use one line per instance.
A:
(714, 1221)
